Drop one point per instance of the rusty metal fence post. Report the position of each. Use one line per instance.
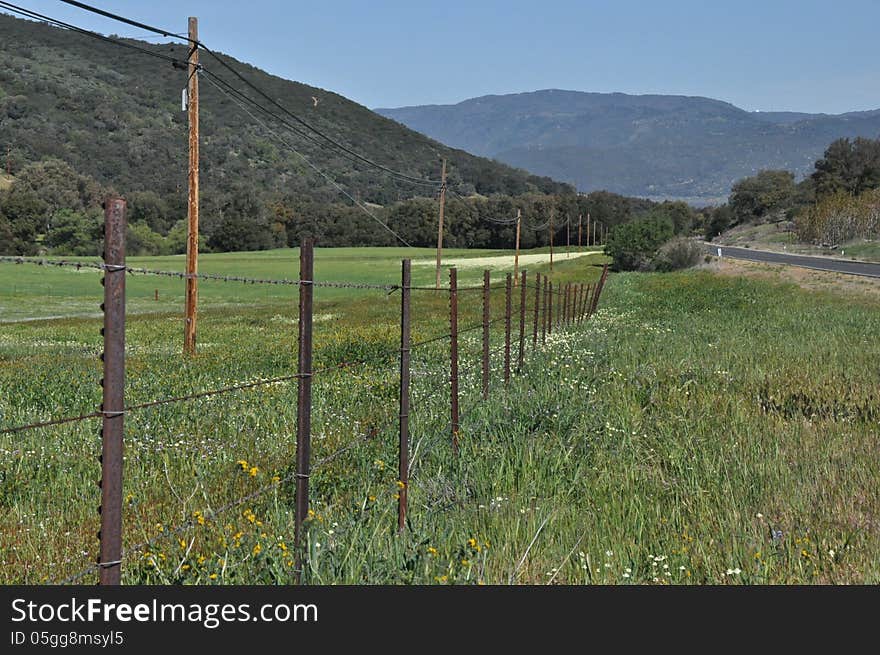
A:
(537, 310)
(507, 293)
(522, 322)
(544, 312)
(599, 286)
(565, 301)
(304, 398)
(403, 448)
(486, 316)
(587, 301)
(113, 383)
(582, 290)
(558, 304)
(453, 355)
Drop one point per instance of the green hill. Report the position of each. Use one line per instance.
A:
(653, 146)
(114, 115)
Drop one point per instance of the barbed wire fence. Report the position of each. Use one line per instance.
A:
(575, 302)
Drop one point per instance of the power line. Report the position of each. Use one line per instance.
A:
(242, 78)
(95, 35)
(311, 165)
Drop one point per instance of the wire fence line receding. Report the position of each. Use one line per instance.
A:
(577, 301)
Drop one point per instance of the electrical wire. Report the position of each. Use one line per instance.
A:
(258, 90)
(59, 23)
(314, 167)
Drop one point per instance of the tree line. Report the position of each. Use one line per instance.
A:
(51, 208)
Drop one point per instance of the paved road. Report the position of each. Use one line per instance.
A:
(805, 261)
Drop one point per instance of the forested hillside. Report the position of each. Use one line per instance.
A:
(80, 118)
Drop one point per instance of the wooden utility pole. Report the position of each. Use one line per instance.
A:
(192, 238)
(551, 240)
(568, 235)
(580, 231)
(588, 229)
(440, 224)
(516, 257)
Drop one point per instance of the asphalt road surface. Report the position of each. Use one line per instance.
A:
(805, 261)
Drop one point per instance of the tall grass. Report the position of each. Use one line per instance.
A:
(699, 429)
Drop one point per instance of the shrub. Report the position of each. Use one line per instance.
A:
(678, 254)
(633, 245)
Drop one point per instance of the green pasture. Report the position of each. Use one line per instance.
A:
(697, 429)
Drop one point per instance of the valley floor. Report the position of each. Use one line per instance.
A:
(703, 427)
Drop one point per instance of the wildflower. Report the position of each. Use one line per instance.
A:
(735, 571)
(253, 471)
(257, 548)
(626, 575)
(432, 550)
(441, 578)
(608, 553)
(243, 464)
(465, 562)
(182, 543)
(371, 498)
(400, 484)
(276, 479)
(213, 576)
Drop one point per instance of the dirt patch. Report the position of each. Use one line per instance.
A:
(806, 278)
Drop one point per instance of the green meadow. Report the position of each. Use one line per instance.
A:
(697, 429)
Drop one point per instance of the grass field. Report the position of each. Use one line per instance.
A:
(699, 429)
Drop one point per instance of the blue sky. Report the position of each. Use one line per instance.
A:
(765, 55)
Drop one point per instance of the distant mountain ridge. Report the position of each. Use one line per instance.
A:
(656, 146)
